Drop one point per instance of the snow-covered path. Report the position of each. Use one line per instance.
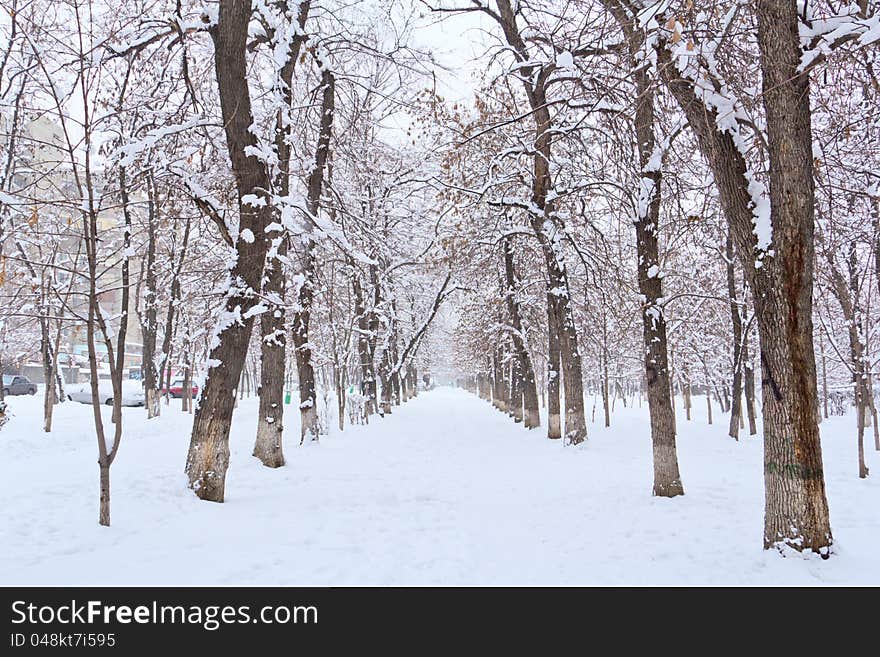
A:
(444, 491)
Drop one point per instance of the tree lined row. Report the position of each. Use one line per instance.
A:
(658, 200)
(600, 107)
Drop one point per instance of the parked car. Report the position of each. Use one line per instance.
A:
(132, 391)
(15, 384)
(176, 389)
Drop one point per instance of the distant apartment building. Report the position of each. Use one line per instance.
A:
(43, 184)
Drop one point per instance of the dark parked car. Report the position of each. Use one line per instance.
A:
(18, 385)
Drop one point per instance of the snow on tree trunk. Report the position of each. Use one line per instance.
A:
(273, 335)
(273, 357)
(563, 341)
(48, 368)
(667, 479)
(208, 457)
(308, 397)
(148, 318)
(302, 317)
(525, 372)
(796, 511)
(554, 421)
(736, 321)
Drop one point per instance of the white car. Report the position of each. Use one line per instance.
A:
(132, 392)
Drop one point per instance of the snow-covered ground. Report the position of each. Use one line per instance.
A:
(444, 491)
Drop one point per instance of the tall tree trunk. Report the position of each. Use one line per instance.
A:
(165, 369)
(339, 385)
(824, 376)
(709, 404)
(384, 376)
(507, 383)
(59, 372)
(548, 227)
(148, 319)
(736, 321)
(667, 479)
(104, 495)
(874, 418)
(48, 365)
(308, 398)
(273, 358)
(394, 375)
(186, 397)
(526, 373)
(749, 372)
(516, 390)
(499, 396)
(685, 384)
(364, 346)
(708, 385)
(605, 383)
(484, 382)
(796, 510)
(273, 332)
(570, 358)
(722, 396)
(208, 457)
(554, 417)
(395, 387)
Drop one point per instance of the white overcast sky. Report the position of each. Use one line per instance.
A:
(458, 43)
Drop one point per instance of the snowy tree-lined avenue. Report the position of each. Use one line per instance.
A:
(592, 214)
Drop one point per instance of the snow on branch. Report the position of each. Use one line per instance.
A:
(206, 203)
(129, 152)
(820, 36)
(696, 63)
(158, 30)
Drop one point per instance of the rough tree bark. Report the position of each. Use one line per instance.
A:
(547, 226)
(667, 479)
(208, 457)
(148, 318)
(273, 332)
(736, 321)
(530, 414)
(796, 509)
(49, 365)
(606, 401)
(366, 348)
(554, 416)
(308, 398)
